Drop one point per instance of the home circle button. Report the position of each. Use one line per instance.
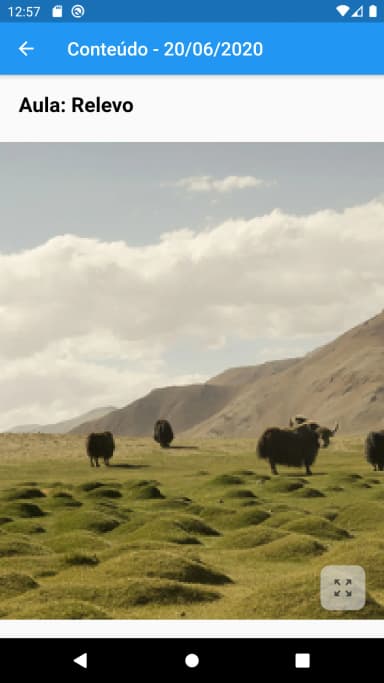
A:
(192, 661)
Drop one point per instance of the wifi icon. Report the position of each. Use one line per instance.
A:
(343, 9)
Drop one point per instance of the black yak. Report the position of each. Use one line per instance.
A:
(163, 433)
(324, 433)
(100, 445)
(293, 447)
(374, 450)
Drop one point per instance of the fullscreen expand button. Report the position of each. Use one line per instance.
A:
(342, 587)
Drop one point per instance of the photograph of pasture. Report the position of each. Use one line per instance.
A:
(192, 384)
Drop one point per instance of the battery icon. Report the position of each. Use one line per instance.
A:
(373, 11)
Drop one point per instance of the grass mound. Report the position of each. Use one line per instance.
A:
(90, 486)
(104, 492)
(63, 499)
(378, 494)
(362, 515)
(96, 521)
(86, 540)
(227, 480)
(284, 485)
(331, 514)
(20, 545)
(240, 493)
(193, 525)
(298, 596)
(218, 515)
(62, 503)
(81, 559)
(146, 493)
(291, 548)
(317, 526)
(250, 538)
(63, 494)
(5, 520)
(14, 584)
(343, 478)
(247, 518)
(163, 565)
(244, 473)
(370, 557)
(139, 483)
(128, 593)
(23, 493)
(278, 519)
(166, 530)
(25, 510)
(247, 502)
(179, 503)
(58, 609)
(25, 526)
(308, 492)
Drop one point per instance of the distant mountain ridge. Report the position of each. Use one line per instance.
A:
(342, 381)
(62, 427)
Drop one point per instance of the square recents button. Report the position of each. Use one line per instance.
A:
(342, 587)
(303, 660)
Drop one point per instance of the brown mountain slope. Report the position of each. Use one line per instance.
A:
(251, 373)
(185, 407)
(342, 381)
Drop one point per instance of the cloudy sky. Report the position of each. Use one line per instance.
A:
(126, 267)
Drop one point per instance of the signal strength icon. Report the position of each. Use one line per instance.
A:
(359, 14)
(343, 9)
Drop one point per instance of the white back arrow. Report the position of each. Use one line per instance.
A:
(24, 49)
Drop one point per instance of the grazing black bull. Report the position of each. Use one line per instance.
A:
(324, 433)
(293, 447)
(163, 433)
(374, 450)
(100, 445)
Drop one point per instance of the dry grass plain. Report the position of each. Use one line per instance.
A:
(199, 531)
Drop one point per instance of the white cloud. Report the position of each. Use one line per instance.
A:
(46, 388)
(207, 183)
(86, 323)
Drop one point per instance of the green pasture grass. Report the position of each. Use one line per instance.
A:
(313, 525)
(194, 533)
(164, 564)
(57, 608)
(239, 493)
(22, 492)
(20, 544)
(13, 583)
(250, 538)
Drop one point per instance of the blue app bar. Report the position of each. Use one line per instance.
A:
(193, 48)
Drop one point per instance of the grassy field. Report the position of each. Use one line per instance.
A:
(201, 531)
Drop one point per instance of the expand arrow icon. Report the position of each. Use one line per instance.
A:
(82, 660)
(25, 49)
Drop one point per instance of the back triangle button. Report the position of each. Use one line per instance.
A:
(82, 660)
